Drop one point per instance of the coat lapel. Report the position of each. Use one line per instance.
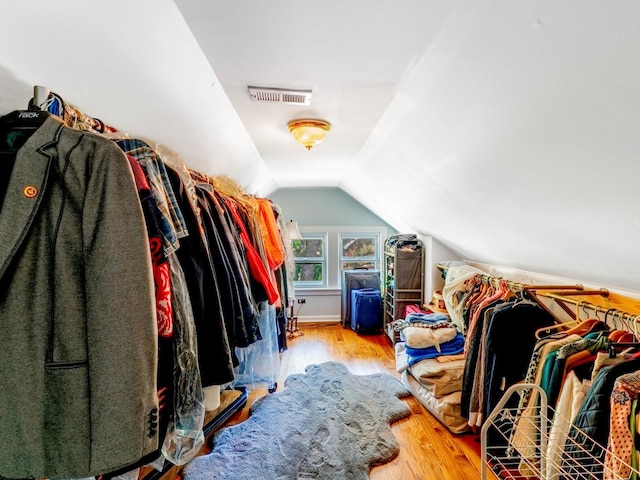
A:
(26, 190)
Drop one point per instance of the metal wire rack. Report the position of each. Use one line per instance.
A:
(545, 452)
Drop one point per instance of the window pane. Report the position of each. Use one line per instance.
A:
(354, 265)
(307, 248)
(358, 247)
(308, 272)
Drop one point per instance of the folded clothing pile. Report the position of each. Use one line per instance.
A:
(430, 358)
(428, 335)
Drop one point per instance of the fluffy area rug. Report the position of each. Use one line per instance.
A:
(325, 424)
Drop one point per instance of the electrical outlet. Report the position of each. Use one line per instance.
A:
(302, 300)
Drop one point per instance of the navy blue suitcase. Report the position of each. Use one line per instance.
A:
(366, 310)
(351, 280)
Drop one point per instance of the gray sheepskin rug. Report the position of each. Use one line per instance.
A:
(325, 424)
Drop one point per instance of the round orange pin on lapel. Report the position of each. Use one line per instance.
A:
(30, 191)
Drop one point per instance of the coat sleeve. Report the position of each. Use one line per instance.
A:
(121, 325)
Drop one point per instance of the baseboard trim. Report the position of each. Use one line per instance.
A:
(319, 319)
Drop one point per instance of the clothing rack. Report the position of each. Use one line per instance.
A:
(541, 456)
(540, 462)
(623, 311)
(531, 290)
(233, 399)
(518, 285)
(624, 308)
(537, 449)
(578, 288)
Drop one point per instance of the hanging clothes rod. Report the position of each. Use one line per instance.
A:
(532, 291)
(599, 301)
(603, 292)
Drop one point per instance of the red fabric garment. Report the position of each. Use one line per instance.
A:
(257, 268)
(162, 280)
(159, 263)
(413, 308)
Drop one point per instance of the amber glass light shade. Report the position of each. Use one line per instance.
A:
(309, 132)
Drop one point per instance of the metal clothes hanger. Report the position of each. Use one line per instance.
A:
(606, 315)
(628, 346)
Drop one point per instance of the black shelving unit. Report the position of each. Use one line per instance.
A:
(403, 278)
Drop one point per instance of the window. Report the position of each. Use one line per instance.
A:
(310, 260)
(325, 251)
(359, 250)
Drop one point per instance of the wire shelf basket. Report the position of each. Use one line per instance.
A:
(545, 451)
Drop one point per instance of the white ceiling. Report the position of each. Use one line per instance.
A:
(509, 131)
(352, 55)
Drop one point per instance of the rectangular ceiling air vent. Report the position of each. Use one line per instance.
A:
(280, 95)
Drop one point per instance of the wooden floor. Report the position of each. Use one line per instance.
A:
(428, 451)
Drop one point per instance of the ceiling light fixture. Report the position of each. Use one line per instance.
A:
(309, 132)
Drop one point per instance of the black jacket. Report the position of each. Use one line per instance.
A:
(214, 351)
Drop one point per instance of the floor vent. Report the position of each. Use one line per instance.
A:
(280, 95)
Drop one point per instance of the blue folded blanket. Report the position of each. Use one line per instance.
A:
(425, 320)
(452, 347)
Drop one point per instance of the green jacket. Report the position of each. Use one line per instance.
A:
(78, 342)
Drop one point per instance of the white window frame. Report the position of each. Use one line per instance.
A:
(375, 258)
(298, 284)
(333, 252)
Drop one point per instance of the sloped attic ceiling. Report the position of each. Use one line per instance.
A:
(506, 130)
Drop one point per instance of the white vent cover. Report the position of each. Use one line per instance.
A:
(280, 95)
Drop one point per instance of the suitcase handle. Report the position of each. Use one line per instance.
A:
(367, 289)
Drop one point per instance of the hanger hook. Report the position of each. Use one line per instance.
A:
(625, 325)
(606, 314)
(600, 310)
(635, 326)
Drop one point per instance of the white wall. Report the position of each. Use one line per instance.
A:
(516, 137)
(435, 252)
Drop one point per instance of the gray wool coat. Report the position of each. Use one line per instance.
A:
(78, 342)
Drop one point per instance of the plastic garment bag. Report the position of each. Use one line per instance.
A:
(260, 361)
(185, 433)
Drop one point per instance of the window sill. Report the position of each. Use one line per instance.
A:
(316, 292)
